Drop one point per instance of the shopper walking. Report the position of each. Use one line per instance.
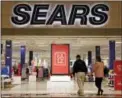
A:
(98, 69)
(80, 69)
(27, 73)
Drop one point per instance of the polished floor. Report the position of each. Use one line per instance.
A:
(56, 89)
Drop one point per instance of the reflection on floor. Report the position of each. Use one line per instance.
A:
(56, 89)
(61, 96)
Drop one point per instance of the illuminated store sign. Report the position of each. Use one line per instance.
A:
(59, 15)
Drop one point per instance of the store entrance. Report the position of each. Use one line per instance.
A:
(34, 76)
(90, 31)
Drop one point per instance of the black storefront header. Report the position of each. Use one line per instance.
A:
(47, 14)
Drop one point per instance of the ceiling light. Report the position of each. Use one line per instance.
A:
(104, 48)
(118, 42)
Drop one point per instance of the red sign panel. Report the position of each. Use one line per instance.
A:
(118, 83)
(118, 67)
(118, 75)
(60, 59)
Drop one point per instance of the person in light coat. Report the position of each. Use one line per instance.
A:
(98, 69)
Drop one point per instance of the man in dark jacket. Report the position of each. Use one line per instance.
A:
(79, 70)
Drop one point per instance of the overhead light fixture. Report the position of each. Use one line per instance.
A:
(118, 42)
(105, 48)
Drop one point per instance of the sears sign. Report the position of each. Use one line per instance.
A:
(60, 14)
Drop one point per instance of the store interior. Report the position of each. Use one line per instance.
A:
(41, 47)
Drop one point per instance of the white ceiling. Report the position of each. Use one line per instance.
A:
(78, 44)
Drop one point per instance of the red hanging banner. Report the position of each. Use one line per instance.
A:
(60, 59)
(118, 76)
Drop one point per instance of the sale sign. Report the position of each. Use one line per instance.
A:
(118, 67)
(118, 83)
(118, 75)
(60, 59)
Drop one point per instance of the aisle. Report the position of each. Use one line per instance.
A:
(42, 89)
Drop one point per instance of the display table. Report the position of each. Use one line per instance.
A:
(16, 80)
(32, 78)
(5, 81)
(60, 78)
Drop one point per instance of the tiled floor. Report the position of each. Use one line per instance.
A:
(52, 89)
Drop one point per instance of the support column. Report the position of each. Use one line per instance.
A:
(8, 56)
(23, 53)
(97, 50)
(111, 53)
(89, 58)
(1, 48)
(30, 57)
